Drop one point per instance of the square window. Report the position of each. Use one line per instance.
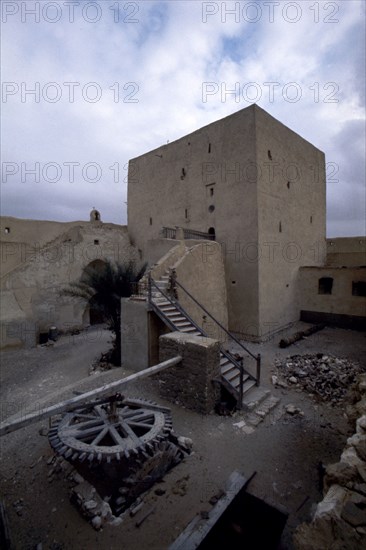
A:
(358, 288)
(325, 285)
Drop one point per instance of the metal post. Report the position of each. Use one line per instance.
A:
(258, 369)
(149, 286)
(241, 382)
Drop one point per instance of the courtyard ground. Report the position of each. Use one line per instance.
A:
(284, 450)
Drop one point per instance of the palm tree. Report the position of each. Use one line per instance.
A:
(103, 288)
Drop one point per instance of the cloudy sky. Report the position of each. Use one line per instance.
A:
(89, 85)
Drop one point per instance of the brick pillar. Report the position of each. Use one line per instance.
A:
(190, 384)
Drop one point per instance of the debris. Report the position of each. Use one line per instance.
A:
(325, 376)
(160, 492)
(136, 508)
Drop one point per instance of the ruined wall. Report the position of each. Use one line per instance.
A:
(340, 520)
(35, 285)
(291, 217)
(190, 383)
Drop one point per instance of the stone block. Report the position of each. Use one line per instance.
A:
(191, 383)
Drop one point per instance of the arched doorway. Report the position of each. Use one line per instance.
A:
(92, 314)
(212, 233)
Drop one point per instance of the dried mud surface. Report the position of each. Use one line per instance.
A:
(285, 449)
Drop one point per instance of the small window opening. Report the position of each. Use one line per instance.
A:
(211, 208)
(212, 233)
(209, 147)
(183, 175)
(233, 282)
(325, 285)
(280, 227)
(311, 219)
(7, 230)
(96, 241)
(288, 185)
(358, 288)
(189, 143)
(269, 154)
(186, 213)
(150, 221)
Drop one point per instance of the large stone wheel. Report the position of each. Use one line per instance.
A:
(111, 431)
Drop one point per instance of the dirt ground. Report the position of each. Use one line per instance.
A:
(284, 451)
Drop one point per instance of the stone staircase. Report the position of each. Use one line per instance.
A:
(177, 319)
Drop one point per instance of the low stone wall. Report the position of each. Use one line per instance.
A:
(340, 518)
(190, 384)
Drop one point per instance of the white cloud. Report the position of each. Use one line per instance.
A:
(166, 57)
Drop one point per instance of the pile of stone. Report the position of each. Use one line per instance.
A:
(339, 521)
(325, 376)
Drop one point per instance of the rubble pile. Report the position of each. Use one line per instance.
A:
(325, 376)
(339, 521)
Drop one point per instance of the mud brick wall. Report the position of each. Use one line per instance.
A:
(190, 383)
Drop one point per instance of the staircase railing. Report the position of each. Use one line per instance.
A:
(256, 357)
(237, 362)
(155, 307)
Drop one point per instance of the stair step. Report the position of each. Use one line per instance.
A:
(175, 316)
(187, 329)
(248, 385)
(255, 397)
(165, 303)
(224, 362)
(236, 381)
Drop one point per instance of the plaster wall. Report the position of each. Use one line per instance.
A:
(201, 271)
(346, 251)
(340, 301)
(35, 285)
(205, 182)
(291, 218)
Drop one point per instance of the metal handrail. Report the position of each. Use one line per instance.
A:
(226, 353)
(216, 321)
(173, 302)
(256, 357)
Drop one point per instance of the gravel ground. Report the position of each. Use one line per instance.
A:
(284, 450)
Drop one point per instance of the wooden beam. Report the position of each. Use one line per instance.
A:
(7, 427)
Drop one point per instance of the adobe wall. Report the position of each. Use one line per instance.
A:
(341, 304)
(346, 251)
(201, 271)
(204, 181)
(35, 285)
(291, 217)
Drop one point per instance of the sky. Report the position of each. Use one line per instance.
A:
(86, 86)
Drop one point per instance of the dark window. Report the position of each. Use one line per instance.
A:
(183, 174)
(359, 288)
(325, 285)
(211, 208)
(212, 233)
(288, 185)
(211, 191)
(311, 219)
(186, 213)
(96, 241)
(7, 230)
(269, 154)
(209, 147)
(150, 221)
(280, 227)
